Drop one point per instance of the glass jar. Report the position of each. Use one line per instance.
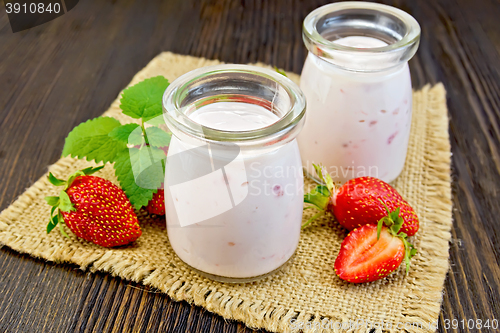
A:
(358, 88)
(233, 176)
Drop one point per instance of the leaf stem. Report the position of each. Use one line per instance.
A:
(144, 132)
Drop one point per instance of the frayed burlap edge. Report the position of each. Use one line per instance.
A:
(424, 293)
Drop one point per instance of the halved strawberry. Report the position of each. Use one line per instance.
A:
(371, 252)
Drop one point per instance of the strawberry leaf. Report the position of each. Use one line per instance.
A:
(54, 219)
(91, 170)
(158, 137)
(144, 100)
(410, 251)
(91, 140)
(380, 224)
(52, 200)
(52, 224)
(325, 177)
(61, 220)
(394, 215)
(319, 196)
(129, 133)
(65, 205)
(55, 181)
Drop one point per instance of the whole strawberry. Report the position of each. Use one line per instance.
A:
(157, 204)
(371, 252)
(94, 209)
(363, 200)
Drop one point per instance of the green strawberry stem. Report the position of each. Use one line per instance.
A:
(394, 222)
(320, 195)
(62, 203)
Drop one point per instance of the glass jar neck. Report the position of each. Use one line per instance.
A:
(361, 36)
(234, 83)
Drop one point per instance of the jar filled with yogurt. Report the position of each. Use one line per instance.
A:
(233, 176)
(358, 88)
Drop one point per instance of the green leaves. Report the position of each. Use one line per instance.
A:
(91, 140)
(410, 251)
(319, 196)
(133, 134)
(144, 100)
(394, 222)
(52, 200)
(158, 137)
(123, 134)
(148, 166)
(140, 173)
(55, 181)
(54, 220)
(65, 203)
(325, 177)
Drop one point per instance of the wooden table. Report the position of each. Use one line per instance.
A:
(57, 75)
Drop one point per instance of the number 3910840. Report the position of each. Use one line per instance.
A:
(471, 324)
(32, 8)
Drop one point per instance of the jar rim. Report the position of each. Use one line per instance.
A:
(325, 48)
(176, 119)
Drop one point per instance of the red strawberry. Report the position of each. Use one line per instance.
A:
(365, 256)
(94, 209)
(157, 204)
(362, 201)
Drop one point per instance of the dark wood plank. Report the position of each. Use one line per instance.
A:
(57, 75)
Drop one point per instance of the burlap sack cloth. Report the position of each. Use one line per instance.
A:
(307, 291)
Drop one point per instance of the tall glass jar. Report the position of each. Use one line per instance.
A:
(233, 178)
(358, 88)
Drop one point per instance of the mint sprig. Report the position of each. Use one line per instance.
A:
(133, 148)
(128, 133)
(143, 100)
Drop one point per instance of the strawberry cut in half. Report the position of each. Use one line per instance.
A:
(371, 252)
(94, 209)
(360, 201)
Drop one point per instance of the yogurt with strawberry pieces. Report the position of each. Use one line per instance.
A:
(358, 122)
(254, 227)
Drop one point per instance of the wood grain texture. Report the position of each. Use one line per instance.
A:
(57, 75)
